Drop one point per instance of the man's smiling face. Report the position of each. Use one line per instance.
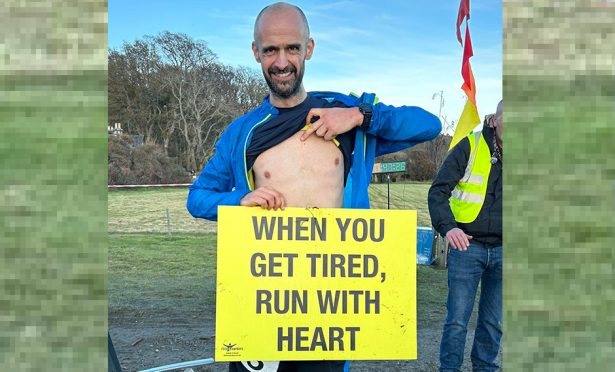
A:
(281, 46)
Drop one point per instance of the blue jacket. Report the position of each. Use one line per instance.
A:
(225, 179)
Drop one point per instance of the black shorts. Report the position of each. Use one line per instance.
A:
(302, 366)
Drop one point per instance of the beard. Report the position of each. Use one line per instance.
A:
(285, 89)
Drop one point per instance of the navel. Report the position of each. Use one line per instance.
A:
(337, 161)
(267, 174)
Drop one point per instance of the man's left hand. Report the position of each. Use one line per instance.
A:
(332, 121)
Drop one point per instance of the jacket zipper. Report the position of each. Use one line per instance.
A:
(245, 149)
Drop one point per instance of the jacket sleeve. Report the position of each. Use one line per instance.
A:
(451, 171)
(408, 124)
(215, 185)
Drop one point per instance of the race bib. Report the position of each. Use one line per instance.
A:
(259, 366)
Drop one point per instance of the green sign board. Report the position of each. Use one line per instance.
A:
(390, 167)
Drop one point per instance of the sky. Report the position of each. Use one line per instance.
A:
(404, 51)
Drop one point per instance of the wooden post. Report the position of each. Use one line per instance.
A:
(169, 225)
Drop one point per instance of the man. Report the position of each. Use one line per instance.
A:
(465, 204)
(298, 149)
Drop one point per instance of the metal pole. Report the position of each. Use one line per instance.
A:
(388, 190)
(170, 367)
(441, 94)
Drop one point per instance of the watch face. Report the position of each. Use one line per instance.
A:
(366, 110)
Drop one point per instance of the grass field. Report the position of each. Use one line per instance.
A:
(158, 279)
(144, 210)
(159, 285)
(163, 292)
(153, 277)
(150, 272)
(141, 256)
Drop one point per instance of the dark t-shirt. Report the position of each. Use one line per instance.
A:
(288, 122)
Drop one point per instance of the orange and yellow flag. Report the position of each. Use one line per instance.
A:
(469, 118)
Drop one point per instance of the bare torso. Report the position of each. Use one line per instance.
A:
(307, 173)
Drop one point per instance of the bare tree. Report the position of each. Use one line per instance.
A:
(250, 88)
(136, 95)
(117, 94)
(171, 89)
(437, 149)
(189, 72)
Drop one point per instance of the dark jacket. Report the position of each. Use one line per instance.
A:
(487, 228)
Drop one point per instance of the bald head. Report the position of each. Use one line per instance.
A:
(281, 45)
(498, 112)
(273, 11)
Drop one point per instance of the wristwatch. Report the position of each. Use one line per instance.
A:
(366, 109)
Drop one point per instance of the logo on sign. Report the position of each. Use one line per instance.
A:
(231, 349)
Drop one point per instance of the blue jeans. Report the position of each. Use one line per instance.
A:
(465, 270)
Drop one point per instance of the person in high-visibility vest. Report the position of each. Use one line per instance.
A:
(465, 204)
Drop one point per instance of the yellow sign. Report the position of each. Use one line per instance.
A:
(315, 284)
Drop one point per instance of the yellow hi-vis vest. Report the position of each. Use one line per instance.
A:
(468, 197)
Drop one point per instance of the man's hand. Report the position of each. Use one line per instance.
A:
(265, 197)
(458, 239)
(332, 121)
